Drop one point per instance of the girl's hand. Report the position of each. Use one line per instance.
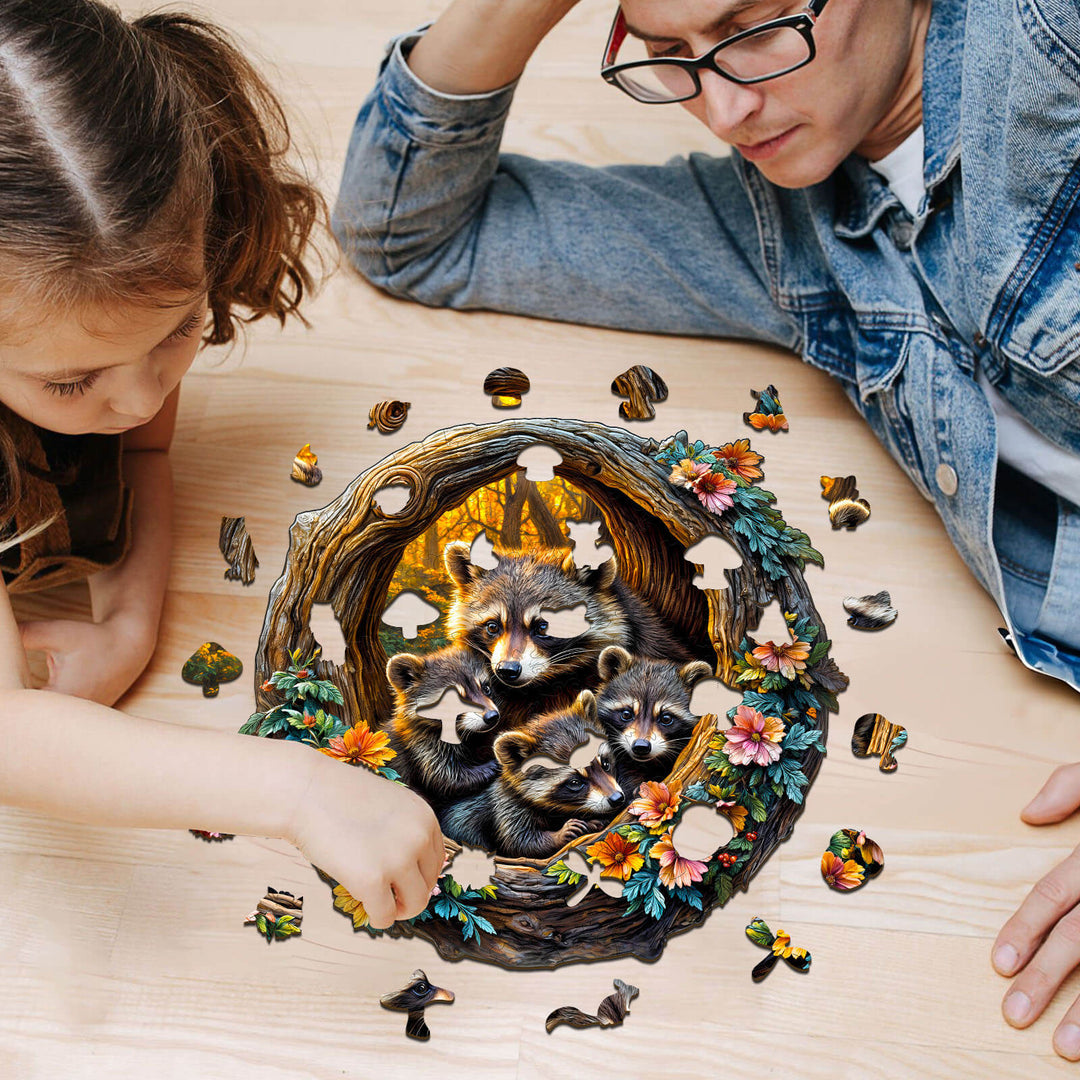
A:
(1042, 940)
(97, 661)
(378, 839)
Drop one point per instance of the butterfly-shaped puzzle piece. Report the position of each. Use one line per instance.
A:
(780, 948)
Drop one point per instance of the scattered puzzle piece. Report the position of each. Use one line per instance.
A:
(769, 414)
(780, 948)
(202, 834)
(642, 386)
(870, 612)
(874, 734)
(413, 998)
(409, 611)
(612, 1012)
(239, 552)
(851, 860)
(305, 468)
(846, 509)
(278, 914)
(388, 416)
(209, 666)
(505, 386)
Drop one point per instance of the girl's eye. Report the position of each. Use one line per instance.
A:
(79, 386)
(195, 322)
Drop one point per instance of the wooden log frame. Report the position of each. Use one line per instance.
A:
(346, 553)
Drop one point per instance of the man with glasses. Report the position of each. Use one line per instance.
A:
(901, 208)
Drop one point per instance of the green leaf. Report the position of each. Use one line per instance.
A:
(725, 886)
(756, 806)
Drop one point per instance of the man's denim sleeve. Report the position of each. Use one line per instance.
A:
(429, 210)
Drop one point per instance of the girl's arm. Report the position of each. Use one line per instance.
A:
(80, 761)
(100, 660)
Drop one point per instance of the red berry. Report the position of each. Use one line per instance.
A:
(751, 836)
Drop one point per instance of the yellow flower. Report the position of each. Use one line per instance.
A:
(343, 901)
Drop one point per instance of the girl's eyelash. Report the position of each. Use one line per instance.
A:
(66, 389)
(194, 323)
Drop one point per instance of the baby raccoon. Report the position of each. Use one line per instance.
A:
(498, 613)
(644, 707)
(438, 770)
(533, 810)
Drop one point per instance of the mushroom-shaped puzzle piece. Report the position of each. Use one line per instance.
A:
(505, 387)
(209, 666)
(413, 999)
(642, 386)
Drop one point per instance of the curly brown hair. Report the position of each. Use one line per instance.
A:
(129, 149)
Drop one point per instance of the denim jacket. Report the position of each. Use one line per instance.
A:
(901, 311)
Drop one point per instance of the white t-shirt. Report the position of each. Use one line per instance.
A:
(1026, 449)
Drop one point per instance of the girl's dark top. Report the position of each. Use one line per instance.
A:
(76, 481)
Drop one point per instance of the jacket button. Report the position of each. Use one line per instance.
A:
(946, 479)
(901, 234)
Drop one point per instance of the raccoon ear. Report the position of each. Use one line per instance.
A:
(404, 669)
(603, 577)
(586, 705)
(614, 660)
(459, 565)
(512, 748)
(567, 565)
(691, 674)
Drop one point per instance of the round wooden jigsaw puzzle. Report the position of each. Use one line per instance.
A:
(503, 780)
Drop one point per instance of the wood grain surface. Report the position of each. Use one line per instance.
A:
(123, 954)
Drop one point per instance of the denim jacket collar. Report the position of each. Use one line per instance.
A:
(866, 196)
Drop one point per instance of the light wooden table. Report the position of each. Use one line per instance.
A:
(122, 952)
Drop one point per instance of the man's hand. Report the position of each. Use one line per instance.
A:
(1041, 941)
(97, 661)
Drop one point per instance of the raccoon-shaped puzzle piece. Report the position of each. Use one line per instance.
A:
(533, 810)
(498, 613)
(441, 771)
(644, 707)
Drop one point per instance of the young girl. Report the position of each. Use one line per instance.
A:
(144, 205)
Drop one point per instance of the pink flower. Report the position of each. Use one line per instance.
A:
(713, 489)
(654, 805)
(675, 871)
(754, 739)
(787, 658)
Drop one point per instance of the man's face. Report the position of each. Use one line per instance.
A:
(798, 128)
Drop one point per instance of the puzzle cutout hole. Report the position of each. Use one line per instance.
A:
(714, 555)
(566, 622)
(447, 710)
(482, 552)
(539, 462)
(711, 696)
(701, 832)
(326, 630)
(393, 498)
(472, 867)
(581, 756)
(409, 611)
(771, 626)
(588, 548)
(590, 874)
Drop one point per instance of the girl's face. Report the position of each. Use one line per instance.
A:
(103, 371)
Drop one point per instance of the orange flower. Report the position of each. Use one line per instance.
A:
(654, 805)
(360, 746)
(839, 874)
(787, 658)
(684, 474)
(774, 422)
(618, 857)
(675, 871)
(740, 459)
(735, 813)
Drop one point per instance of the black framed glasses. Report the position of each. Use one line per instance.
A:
(762, 52)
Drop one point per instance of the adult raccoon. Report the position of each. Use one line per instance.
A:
(438, 770)
(644, 707)
(498, 613)
(533, 810)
